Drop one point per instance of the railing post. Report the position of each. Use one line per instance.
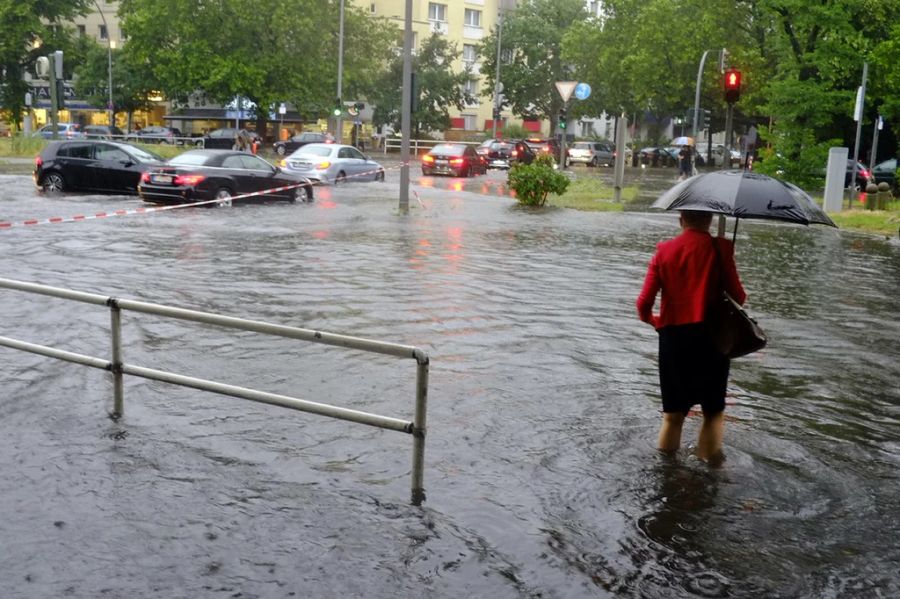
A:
(419, 428)
(115, 329)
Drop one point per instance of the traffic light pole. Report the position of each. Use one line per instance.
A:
(496, 113)
(339, 122)
(729, 134)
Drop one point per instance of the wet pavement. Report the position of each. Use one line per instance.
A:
(540, 469)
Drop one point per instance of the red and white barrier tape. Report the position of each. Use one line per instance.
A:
(150, 209)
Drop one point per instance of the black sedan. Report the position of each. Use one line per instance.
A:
(460, 160)
(87, 165)
(204, 175)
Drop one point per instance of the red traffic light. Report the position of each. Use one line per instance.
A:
(732, 85)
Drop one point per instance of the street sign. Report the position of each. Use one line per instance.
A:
(282, 108)
(582, 91)
(565, 89)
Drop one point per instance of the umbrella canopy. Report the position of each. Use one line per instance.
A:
(683, 141)
(744, 194)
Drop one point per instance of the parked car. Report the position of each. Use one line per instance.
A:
(863, 176)
(203, 175)
(653, 156)
(292, 144)
(885, 172)
(459, 160)
(674, 156)
(224, 139)
(503, 154)
(719, 153)
(156, 135)
(544, 146)
(333, 163)
(64, 131)
(87, 165)
(103, 132)
(591, 153)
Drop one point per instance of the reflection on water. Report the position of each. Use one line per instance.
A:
(541, 472)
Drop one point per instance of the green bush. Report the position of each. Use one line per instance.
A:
(513, 132)
(21, 146)
(534, 182)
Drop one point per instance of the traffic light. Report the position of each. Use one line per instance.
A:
(338, 108)
(496, 114)
(562, 118)
(359, 106)
(706, 116)
(732, 85)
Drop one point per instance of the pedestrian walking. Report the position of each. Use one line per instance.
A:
(685, 162)
(690, 271)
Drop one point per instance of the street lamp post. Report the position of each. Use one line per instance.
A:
(497, 77)
(339, 121)
(109, 47)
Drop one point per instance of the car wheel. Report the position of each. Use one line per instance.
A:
(224, 195)
(199, 143)
(379, 176)
(53, 182)
(595, 162)
(280, 150)
(301, 194)
(341, 178)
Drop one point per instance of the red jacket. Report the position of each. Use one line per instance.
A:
(686, 270)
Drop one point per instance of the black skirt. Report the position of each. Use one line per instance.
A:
(691, 371)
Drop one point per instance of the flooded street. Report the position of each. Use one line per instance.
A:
(541, 473)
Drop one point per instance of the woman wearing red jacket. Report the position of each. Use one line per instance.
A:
(690, 270)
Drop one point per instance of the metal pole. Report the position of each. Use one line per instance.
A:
(873, 158)
(54, 97)
(406, 106)
(115, 330)
(859, 114)
(419, 429)
(497, 76)
(339, 121)
(726, 159)
(697, 95)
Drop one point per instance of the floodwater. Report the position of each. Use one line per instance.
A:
(540, 469)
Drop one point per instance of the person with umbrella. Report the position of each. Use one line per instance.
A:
(690, 270)
(685, 162)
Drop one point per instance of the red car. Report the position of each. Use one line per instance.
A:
(458, 160)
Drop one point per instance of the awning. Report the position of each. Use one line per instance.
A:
(223, 114)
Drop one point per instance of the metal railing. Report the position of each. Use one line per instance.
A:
(118, 368)
(392, 144)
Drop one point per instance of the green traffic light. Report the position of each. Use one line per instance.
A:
(336, 112)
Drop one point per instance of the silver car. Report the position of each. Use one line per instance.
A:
(591, 153)
(333, 163)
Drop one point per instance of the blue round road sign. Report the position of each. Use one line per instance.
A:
(582, 91)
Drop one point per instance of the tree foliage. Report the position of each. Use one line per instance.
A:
(266, 51)
(531, 56)
(439, 87)
(24, 24)
(133, 81)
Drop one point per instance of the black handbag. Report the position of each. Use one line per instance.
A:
(733, 332)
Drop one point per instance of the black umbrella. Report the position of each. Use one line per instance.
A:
(744, 194)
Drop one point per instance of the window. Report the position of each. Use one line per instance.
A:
(469, 53)
(79, 150)
(110, 153)
(372, 8)
(469, 122)
(82, 30)
(437, 12)
(473, 18)
(471, 88)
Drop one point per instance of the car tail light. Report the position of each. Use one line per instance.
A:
(188, 180)
(457, 161)
(323, 165)
(864, 173)
(38, 161)
(514, 153)
(145, 177)
(427, 158)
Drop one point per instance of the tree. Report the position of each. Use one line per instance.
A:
(267, 51)
(29, 29)
(133, 81)
(438, 87)
(532, 42)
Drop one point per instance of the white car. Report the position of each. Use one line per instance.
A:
(333, 163)
(719, 152)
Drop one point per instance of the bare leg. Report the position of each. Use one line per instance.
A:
(709, 444)
(670, 432)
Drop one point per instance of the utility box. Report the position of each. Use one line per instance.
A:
(834, 179)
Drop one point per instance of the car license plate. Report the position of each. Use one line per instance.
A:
(160, 178)
(440, 161)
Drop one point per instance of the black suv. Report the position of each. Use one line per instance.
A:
(226, 138)
(498, 153)
(87, 165)
(289, 146)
